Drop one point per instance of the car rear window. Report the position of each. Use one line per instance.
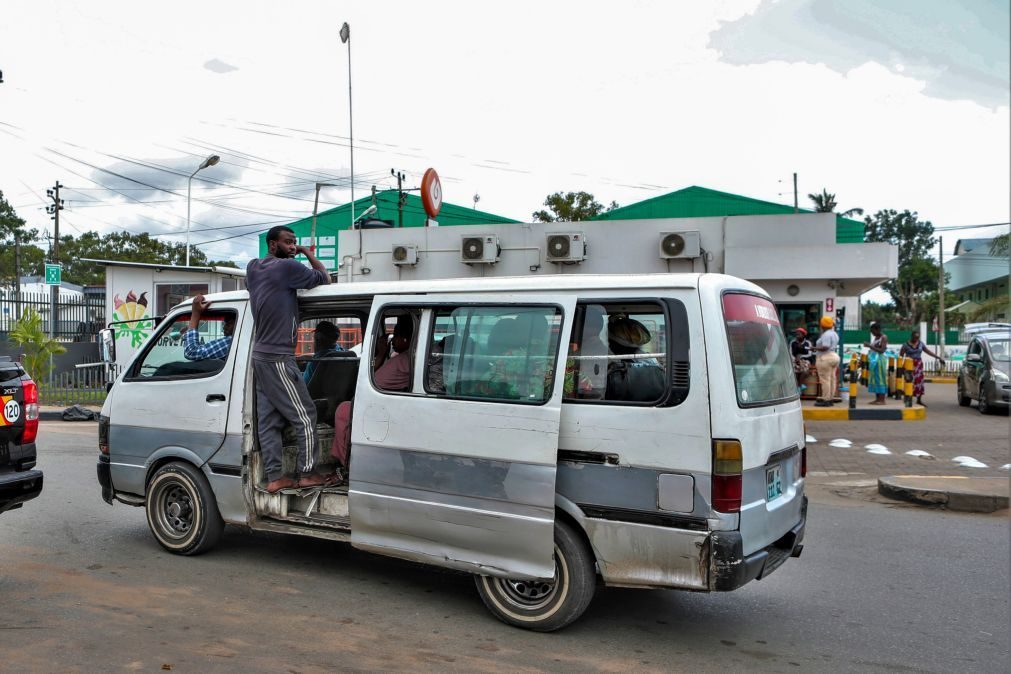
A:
(760, 355)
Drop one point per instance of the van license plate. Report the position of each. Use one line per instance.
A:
(773, 483)
(5, 453)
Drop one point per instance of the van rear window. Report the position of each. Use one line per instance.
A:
(758, 350)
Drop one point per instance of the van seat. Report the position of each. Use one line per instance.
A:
(333, 382)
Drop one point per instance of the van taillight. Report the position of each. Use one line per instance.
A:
(103, 434)
(31, 392)
(728, 465)
(803, 462)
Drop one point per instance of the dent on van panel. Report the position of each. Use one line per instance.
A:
(640, 555)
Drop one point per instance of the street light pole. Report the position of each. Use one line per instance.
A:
(210, 161)
(345, 34)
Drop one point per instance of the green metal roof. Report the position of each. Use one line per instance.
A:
(329, 222)
(701, 202)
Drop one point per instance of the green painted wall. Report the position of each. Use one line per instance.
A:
(700, 202)
(329, 222)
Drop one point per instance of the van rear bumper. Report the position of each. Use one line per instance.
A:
(105, 478)
(16, 488)
(729, 568)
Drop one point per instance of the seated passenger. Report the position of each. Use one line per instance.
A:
(194, 347)
(325, 341)
(390, 373)
(632, 379)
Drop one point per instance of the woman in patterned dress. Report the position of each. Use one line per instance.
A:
(915, 349)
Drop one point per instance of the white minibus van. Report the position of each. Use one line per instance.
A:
(637, 430)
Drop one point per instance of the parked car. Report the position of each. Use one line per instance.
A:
(986, 372)
(19, 426)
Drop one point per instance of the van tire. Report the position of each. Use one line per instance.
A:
(182, 511)
(540, 606)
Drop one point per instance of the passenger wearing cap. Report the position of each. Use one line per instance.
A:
(827, 361)
(803, 355)
(632, 376)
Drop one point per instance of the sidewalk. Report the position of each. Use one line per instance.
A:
(951, 442)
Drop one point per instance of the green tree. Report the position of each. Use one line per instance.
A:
(122, 246)
(918, 272)
(38, 346)
(32, 256)
(999, 245)
(826, 203)
(571, 207)
(881, 313)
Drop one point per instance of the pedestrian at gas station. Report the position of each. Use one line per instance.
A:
(915, 349)
(826, 361)
(877, 360)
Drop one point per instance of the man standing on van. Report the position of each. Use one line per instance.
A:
(281, 393)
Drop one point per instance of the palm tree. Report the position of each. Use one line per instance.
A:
(826, 203)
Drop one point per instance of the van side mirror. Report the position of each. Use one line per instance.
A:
(107, 345)
(973, 358)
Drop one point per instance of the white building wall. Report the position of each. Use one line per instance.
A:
(774, 251)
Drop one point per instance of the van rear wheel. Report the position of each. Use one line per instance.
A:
(181, 510)
(545, 606)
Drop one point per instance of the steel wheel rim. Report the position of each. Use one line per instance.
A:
(175, 511)
(532, 595)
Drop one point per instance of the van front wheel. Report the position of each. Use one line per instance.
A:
(181, 510)
(545, 606)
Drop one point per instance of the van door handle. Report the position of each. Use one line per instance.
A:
(212, 397)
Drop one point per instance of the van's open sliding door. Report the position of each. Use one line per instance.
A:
(460, 471)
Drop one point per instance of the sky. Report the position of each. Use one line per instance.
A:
(891, 104)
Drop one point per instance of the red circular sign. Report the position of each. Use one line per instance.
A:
(431, 193)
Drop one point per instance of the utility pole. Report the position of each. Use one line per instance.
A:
(795, 209)
(400, 196)
(940, 298)
(17, 277)
(54, 251)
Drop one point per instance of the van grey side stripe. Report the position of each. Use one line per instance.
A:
(302, 415)
(627, 488)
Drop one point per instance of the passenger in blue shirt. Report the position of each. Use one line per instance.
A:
(194, 347)
(325, 339)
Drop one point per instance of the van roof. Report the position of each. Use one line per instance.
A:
(544, 283)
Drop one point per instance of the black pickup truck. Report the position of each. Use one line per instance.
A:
(19, 425)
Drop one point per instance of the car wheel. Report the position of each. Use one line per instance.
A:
(984, 405)
(963, 400)
(545, 606)
(181, 510)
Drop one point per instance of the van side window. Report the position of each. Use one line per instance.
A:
(174, 354)
(392, 352)
(502, 353)
(618, 353)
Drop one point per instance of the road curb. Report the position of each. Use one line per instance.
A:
(941, 380)
(915, 413)
(964, 494)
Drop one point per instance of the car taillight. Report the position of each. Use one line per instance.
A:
(31, 393)
(803, 462)
(728, 466)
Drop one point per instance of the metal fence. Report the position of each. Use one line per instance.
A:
(82, 386)
(77, 319)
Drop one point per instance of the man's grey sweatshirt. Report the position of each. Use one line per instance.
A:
(272, 283)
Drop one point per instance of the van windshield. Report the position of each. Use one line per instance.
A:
(758, 350)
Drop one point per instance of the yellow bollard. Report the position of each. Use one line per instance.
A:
(853, 382)
(900, 378)
(865, 370)
(891, 377)
(908, 367)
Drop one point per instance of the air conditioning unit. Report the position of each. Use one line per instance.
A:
(480, 250)
(680, 245)
(566, 248)
(405, 254)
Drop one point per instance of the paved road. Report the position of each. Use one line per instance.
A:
(84, 587)
(947, 432)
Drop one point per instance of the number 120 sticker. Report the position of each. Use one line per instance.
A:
(12, 411)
